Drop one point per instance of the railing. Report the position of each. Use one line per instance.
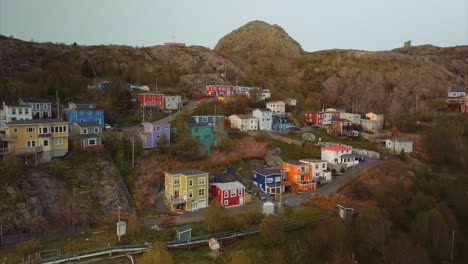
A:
(7, 137)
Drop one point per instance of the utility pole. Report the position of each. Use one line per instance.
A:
(133, 153)
(58, 104)
(118, 234)
(453, 243)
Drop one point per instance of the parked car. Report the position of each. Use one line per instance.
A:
(262, 196)
(107, 126)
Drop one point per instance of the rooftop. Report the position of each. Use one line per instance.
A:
(337, 147)
(268, 171)
(184, 228)
(35, 100)
(229, 185)
(294, 162)
(188, 172)
(264, 109)
(456, 89)
(198, 125)
(36, 121)
(312, 161)
(88, 124)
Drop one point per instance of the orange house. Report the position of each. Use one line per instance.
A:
(298, 173)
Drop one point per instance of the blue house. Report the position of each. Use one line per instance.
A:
(210, 120)
(77, 113)
(281, 123)
(269, 180)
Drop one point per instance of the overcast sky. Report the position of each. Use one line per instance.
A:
(316, 25)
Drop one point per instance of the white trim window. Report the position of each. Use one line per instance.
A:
(226, 202)
(201, 181)
(15, 130)
(85, 131)
(233, 193)
(31, 143)
(226, 194)
(96, 130)
(176, 181)
(190, 193)
(239, 192)
(190, 183)
(92, 142)
(58, 141)
(30, 129)
(201, 192)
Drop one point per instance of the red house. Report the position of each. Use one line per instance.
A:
(315, 118)
(220, 90)
(151, 100)
(229, 194)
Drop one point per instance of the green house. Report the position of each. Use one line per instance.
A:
(205, 134)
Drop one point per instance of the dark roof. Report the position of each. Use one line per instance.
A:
(36, 121)
(87, 124)
(263, 109)
(184, 228)
(89, 136)
(456, 89)
(267, 171)
(188, 172)
(198, 125)
(35, 100)
(85, 109)
(294, 162)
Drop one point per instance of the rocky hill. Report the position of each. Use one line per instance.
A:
(256, 54)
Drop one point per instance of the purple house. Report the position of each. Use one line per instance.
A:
(151, 133)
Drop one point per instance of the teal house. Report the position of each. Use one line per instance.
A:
(205, 134)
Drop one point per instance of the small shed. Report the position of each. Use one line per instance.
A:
(345, 212)
(268, 208)
(184, 233)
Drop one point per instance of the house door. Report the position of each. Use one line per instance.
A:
(241, 199)
(194, 205)
(176, 193)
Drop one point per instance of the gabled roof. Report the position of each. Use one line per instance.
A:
(151, 93)
(263, 109)
(337, 147)
(188, 172)
(88, 124)
(267, 171)
(311, 161)
(456, 89)
(35, 100)
(229, 185)
(294, 162)
(182, 229)
(35, 121)
(275, 102)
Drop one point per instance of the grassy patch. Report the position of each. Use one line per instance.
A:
(354, 142)
(294, 152)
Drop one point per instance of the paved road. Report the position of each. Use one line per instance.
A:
(345, 178)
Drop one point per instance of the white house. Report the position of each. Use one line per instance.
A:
(243, 122)
(41, 108)
(172, 102)
(372, 125)
(339, 154)
(277, 107)
(318, 170)
(265, 94)
(291, 101)
(398, 144)
(456, 92)
(354, 118)
(264, 116)
(14, 112)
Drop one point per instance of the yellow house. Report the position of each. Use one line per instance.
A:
(375, 117)
(42, 138)
(187, 189)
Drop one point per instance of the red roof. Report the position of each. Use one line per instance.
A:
(337, 147)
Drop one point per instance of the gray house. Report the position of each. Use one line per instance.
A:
(184, 233)
(41, 108)
(398, 144)
(87, 135)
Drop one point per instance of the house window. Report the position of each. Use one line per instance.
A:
(316, 166)
(239, 192)
(201, 181)
(226, 202)
(64, 128)
(26, 111)
(44, 106)
(323, 165)
(82, 120)
(190, 193)
(205, 119)
(233, 193)
(90, 120)
(15, 130)
(92, 141)
(30, 129)
(81, 112)
(96, 130)
(176, 181)
(201, 192)
(85, 131)
(38, 107)
(90, 113)
(46, 143)
(20, 111)
(31, 143)
(58, 141)
(196, 130)
(157, 128)
(226, 194)
(190, 182)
